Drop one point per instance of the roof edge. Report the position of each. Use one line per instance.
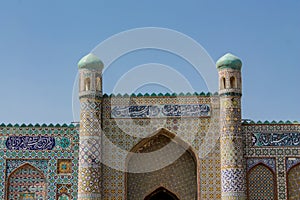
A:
(37, 125)
(273, 122)
(208, 94)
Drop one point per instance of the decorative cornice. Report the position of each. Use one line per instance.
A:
(40, 126)
(251, 122)
(202, 94)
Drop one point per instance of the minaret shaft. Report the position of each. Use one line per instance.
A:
(90, 95)
(233, 174)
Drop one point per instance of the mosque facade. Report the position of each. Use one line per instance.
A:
(153, 147)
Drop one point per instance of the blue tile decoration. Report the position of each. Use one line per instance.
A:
(275, 139)
(270, 162)
(41, 147)
(236, 177)
(64, 142)
(30, 143)
(157, 111)
(291, 162)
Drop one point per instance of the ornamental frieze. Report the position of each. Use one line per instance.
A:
(158, 111)
(30, 143)
(275, 139)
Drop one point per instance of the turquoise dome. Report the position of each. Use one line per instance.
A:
(90, 61)
(229, 61)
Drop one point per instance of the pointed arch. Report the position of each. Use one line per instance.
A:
(26, 180)
(261, 182)
(98, 84)
(158, 141)
(163, 193)
(293, 178)
(233, 83)
(87, 84)
(222, 83)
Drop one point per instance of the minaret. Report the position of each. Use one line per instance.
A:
(233, 172)
(90, 95)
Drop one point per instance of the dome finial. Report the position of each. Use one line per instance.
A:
(90, 61)
(229, 61)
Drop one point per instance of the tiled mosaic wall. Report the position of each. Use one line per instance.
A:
(275, 146)
(210, 176)
(125, 133)
(38, 162)
(51, 152)
(261, 183)
(180, 176)
(293, 178)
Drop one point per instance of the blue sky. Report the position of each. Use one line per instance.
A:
(42, 41)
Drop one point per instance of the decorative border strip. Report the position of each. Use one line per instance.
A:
(159, 111)
(270, 162)
(275, 139)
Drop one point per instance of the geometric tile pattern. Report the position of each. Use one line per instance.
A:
(64, 166)
(285, 156)
(210, 176)
(64, 191)
(200, 133)
(233, 177)
(13, 164)
(44, 161)
(27, 180)
(261, 183)
(270, 162)
(294, 183)
(233, 180)
(89, 180)
(291, 162)
(27, 196)
(90, 172)
(180, 177)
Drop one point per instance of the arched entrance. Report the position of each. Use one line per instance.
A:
(179, 175)
(161, 194)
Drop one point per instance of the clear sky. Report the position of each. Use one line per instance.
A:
(42, 41)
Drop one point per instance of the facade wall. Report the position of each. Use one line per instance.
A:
(276, 146)
(272, 154)
(191, 147)
(53, 154)
(125, 132)
(39, 162)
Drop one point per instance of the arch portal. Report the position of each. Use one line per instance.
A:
(179, 175)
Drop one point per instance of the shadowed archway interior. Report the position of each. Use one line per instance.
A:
(161, 194)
